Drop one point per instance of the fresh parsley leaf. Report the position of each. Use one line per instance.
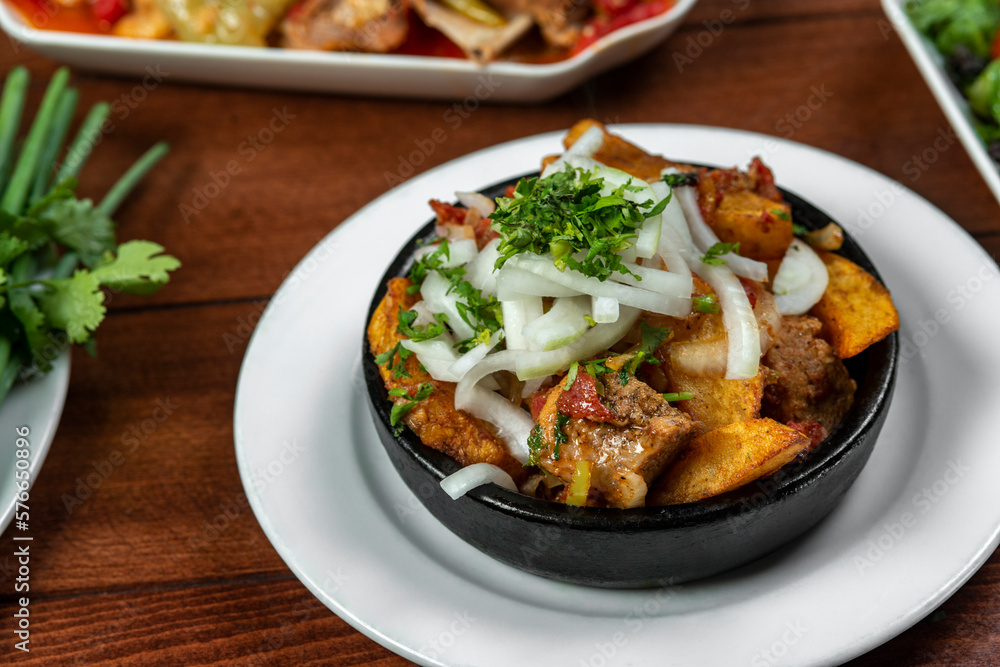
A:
(482, 313)
(400, 410)
(11, 247)
(32, 322)
(781, 213)
(799, 230)
(678, 396)
(713, 256)
(74, 304)
(78, 225)
(139, 268)
(418, 333)
(680, 180)
(651, 338)
(430, 261)
(708, 303)
(387, 360)
(574, 368)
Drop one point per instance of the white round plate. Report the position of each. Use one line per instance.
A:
(920, 520)
(37, 404)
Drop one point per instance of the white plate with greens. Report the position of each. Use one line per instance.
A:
(930, 63)
(919, 521)
(36, 404)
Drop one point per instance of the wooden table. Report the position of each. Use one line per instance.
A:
(133, 573)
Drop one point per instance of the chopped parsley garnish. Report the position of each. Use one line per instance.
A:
(781, 213)
(566, 215)
(535, 445)
(708, 303)
(482, 313)
(560, 435)
(388, 357)
(799, 230)
(680, 180)
(713, 256)
(418, 332)
(433, 261)
(400, 410)
(678, 396)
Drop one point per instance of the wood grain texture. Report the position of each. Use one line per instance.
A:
(146, 551)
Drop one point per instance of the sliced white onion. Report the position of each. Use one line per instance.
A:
(436, 292)
(464, 363)
(480, 272)
(531, 386)
(459, 252)
(512, 423)
(637, 297)
(516, 314)
(478, 201)
(742, 333)
(565, 322)
(514, 283)
(586, 145)
(701, 358)
(673, 214)
(671, 250)
(604, 309)
(704, 238)
(462, 481)
(801, 279)
(598, 338)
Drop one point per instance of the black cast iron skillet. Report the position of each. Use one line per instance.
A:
(647, 546)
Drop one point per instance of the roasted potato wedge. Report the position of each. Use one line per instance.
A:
(620, 154)
(718, 402)
(856, 310)
(762, 227)
(725, 459)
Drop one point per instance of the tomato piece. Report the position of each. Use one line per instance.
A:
(812, 430)
(582, 401)
(599, 27)
(108, 12)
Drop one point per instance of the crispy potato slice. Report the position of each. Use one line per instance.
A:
(856, 310)
(718, 402)
(725, 459)
(762, 227)
(435, 419)
(620, 154)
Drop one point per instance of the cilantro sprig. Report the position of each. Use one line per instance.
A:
(58, 252)
(714, 255)
(566, 215)
(400, 410)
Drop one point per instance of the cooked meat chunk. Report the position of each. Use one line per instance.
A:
(811, 384)
(435, 420)
(628, 453)
(480, 42)
(376, 26)
(559, 20)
